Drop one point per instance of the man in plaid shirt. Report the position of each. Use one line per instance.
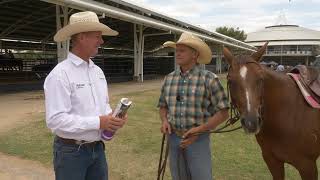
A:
(192, 101)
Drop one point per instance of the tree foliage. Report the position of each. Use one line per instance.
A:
(232, 32)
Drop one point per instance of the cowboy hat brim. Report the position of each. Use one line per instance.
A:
(66, 32)
(205, 54)
(170, 44)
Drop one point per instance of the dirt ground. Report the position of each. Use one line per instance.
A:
(20, 108)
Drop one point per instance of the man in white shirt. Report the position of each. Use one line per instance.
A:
(77, 102)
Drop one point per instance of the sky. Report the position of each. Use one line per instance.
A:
(247, 15)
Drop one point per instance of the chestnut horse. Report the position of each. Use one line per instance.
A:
(272, 107)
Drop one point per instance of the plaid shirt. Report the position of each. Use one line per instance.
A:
(192, 98)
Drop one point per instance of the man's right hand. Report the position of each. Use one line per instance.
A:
(165, 128)
(111, 123)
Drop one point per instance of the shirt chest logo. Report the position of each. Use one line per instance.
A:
(79, 86)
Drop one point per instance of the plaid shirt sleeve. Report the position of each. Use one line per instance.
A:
(162, 101)
(218, 96)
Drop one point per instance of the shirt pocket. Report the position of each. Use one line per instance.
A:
(100, 79)
(196, 96)
(101, 86)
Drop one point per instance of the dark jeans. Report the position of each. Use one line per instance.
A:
(72, 162)
(198, 156)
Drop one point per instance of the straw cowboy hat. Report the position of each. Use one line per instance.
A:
(83, 22)
(188, 39)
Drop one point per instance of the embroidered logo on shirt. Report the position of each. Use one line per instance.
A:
(78, 86)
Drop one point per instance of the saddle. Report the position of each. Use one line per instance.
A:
(308, 80)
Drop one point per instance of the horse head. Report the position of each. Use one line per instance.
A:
(245, 82)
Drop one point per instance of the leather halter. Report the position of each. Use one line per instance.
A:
(261, 88)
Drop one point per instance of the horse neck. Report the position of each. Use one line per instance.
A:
(271, 76)
(275, 85)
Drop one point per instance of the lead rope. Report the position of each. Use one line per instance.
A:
(162, 164)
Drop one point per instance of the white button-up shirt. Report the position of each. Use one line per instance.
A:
(76, 94)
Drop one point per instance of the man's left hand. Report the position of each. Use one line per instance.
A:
(186, 142)
(189, 137)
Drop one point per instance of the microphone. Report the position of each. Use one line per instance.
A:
(178, 98)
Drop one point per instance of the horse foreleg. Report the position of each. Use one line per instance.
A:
(307, 169)
(275, 166)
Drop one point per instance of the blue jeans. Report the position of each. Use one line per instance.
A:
(72, 162)
(198, 156)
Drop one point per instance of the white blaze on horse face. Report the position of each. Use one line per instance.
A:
(248, 102)
(243, 74)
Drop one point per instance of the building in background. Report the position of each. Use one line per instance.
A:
(288, 44)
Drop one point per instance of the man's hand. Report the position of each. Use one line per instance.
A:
(165, 128)
(187, 141)
(112, 123)
(125, 118)
(189, 137)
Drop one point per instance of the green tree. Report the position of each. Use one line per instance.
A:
(232, 32)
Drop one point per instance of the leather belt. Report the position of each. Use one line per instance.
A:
(77, 142)
(179, 133)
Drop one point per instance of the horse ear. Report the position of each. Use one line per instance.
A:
(258, 55)
(228, 56)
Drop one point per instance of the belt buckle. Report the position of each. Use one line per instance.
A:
(77, 142)
(179, 132)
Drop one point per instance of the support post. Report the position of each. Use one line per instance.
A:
(138, 52)
(219, 60)
(176, 66)
(62, 47)
(135, 47)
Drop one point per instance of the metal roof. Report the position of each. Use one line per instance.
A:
(276, 43)
(35, 21)
(284, 34)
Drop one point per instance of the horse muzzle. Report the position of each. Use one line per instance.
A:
(251, 124)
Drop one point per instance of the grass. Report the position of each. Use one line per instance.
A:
(133, 153)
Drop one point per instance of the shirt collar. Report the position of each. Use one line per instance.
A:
(193, 71)
(77, 60)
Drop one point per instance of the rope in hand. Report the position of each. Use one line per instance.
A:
(163, 163)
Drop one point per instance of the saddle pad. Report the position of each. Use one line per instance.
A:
(310, 100)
